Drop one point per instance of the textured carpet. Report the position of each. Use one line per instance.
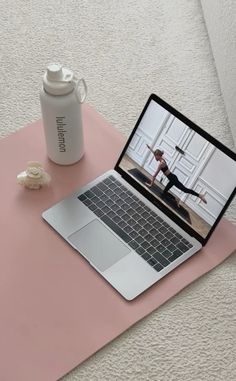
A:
(220, 21)
(126, 49)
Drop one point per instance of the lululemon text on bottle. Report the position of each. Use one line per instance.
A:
(61, 133)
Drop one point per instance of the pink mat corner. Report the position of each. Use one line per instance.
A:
(55, 310)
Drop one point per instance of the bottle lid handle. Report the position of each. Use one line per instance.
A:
(81, 95)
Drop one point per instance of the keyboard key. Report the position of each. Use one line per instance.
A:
(159, 236)
(125, 207)
(152, 262)
(167, 254)
(131, 222)
(169, 235)
(117, 219)
(115, 207)
(113, 186)
(87, 202)
(136, 216)
(177, 253)
(147, 226)
(82, 197)
(102, 186)
(122, 224)
(105, 209)
(145, 244)
(140, 250)
(96, 191)
(128, 229)
(128, 200)
(119, 202)
(139, 239)
(99, 213)
(154, 242)
(171, 247)
(126, 217)
(163, 230)
(133, 244)
(158, 267)
(104, 197)
(95, 199)
(160, 248)
(137, 227)
(120, 212)
(146, 256)
(116, 229)
(118, 190)
(93, 207)
(141, 221)
(151, 219)
(162, 260)
(148, 237)
(174, 240)
(111, 214)
(165, 242)
(134, 205)
(115, 198)
(134, 234)
(145, 214)
(157, 225)
(143, 232)
(89, 194)
(130, 212)
(151, 250)
(152, 231)
(101, 204)
(139, 209)
(182, 247)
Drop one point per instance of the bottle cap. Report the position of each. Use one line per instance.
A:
(54, 72)
(58, 80)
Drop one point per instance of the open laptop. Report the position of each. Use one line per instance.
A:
(159, 205)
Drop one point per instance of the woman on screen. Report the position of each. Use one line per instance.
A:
(173, 179)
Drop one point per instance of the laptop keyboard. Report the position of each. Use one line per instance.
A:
(133, 221)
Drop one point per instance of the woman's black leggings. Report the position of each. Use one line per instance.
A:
(174, 181)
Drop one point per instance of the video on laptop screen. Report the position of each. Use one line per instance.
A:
(180, 168)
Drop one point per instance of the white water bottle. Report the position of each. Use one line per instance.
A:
(61, 98)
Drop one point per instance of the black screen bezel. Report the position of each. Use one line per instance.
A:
(148, 195)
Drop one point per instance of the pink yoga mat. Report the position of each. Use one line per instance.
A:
(55, 310)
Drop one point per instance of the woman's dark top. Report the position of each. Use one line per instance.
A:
(165, 168)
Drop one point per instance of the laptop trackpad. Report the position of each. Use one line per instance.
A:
(98, 245)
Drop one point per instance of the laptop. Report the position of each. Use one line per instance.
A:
(160, 204)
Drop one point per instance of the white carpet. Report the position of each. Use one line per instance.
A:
(126, 49)
(220, 21)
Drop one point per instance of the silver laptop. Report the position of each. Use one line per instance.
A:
(158, 206)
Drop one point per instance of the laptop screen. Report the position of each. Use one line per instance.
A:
(190, 174)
